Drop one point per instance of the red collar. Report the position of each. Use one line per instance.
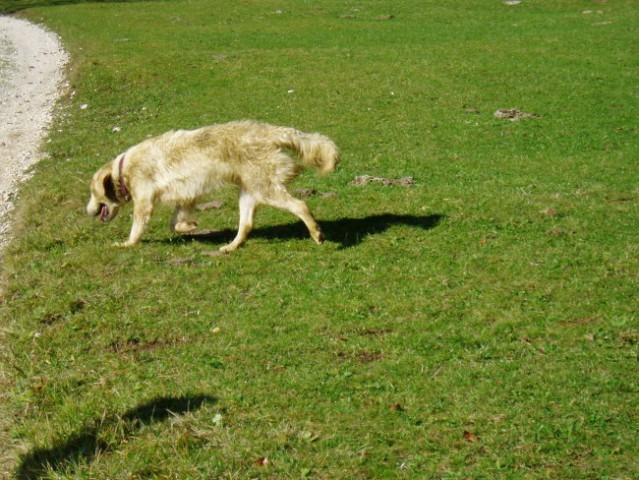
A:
(123, 191)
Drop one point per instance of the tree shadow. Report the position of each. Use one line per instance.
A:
(348, 232)
(88, 444)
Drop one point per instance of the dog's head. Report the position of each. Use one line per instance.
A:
(104, 201)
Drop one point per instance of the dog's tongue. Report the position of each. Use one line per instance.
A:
(104, 213)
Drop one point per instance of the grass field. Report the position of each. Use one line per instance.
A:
(480, 324)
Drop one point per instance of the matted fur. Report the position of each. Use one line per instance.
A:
(179, 167)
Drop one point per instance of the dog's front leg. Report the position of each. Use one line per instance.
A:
(141, 214)
(248, 203)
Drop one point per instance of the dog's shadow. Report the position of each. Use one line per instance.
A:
(348, 232)
(87, 444)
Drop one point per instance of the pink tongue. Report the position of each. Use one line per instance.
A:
(104, 213)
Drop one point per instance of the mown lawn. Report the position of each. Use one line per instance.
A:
(481, 323)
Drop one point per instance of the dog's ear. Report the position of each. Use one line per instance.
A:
(109, 189)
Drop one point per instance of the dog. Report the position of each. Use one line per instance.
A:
(179, 167)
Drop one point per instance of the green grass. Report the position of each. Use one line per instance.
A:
(481, 324)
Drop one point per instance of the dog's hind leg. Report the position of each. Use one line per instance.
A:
(248, 203)
(181, 221)
(280, 198)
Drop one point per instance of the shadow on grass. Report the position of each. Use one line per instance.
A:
(86, 445)
(351, 231)
(346, 231)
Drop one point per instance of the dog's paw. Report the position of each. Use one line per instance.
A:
(122, 244)
(226, 249)
(185, 227)
(213, 253)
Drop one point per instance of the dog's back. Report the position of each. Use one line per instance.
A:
(250, 142)
(243, 153)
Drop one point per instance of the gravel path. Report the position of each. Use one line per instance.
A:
(32, 64)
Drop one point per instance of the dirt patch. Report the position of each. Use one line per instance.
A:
(136, 345)
(513, 114)
(362, 357)
(363, 180)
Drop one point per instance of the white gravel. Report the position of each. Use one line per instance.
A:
(32, 63)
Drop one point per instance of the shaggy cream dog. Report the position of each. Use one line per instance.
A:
(179, 167)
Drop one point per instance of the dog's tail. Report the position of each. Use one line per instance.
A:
(314, 149)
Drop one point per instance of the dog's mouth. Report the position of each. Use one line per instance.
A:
(104, 213)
